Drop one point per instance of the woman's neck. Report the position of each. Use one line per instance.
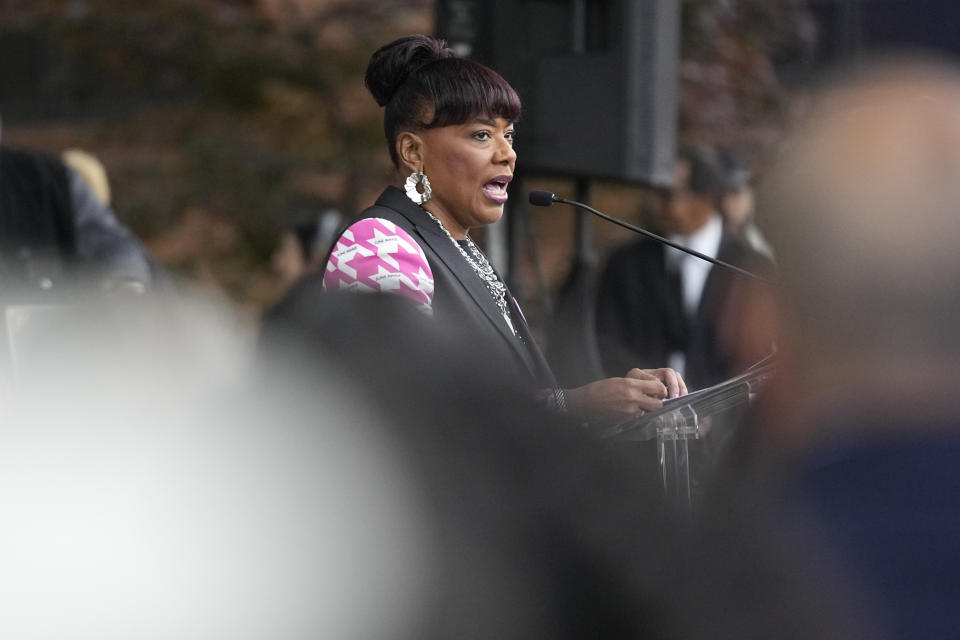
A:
(448, 221)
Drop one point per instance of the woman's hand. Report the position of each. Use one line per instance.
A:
(676, 387)
(615, 400)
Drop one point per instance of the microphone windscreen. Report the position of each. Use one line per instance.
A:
(541, 198)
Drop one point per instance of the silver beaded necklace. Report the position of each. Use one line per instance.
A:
(482, 267)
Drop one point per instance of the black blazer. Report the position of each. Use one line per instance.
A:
(640, 318)
(461, 301)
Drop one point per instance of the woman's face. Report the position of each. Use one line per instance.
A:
(469, 167)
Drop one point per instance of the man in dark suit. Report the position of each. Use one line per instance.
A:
(657, 304)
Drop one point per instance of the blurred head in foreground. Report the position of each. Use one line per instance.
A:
(540, 530)
(863, 209)
(153, 491)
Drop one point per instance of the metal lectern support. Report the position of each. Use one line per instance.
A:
(674, 432)
(691, 431)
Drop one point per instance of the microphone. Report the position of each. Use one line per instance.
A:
(543, 198)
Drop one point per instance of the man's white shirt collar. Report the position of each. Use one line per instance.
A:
(693, 270)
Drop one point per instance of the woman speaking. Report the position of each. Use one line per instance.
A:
(449, 124)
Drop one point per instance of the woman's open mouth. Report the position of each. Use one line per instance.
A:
(496, 189)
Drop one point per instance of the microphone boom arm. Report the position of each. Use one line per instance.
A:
(654, 236)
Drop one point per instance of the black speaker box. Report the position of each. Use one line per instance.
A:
(598, 80)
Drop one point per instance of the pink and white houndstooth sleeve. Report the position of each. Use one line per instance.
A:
(375, 255)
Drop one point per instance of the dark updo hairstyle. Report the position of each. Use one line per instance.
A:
(423, 85)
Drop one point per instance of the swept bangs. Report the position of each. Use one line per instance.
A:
(444, 92)
(460, 90)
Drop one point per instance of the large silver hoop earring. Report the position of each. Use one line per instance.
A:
(419, 196)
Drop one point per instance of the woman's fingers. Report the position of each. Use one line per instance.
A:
(673, 382)
(619, 399)
(648, 403)
(644, 393)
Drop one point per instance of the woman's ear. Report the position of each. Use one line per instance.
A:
(410, 151)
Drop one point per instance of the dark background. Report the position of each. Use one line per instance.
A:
(220, 122)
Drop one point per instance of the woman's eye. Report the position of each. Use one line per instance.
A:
(511, 136)
(482, 135)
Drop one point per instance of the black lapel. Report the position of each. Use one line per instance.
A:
(536, 361)
(669, 291)
(445, 250)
